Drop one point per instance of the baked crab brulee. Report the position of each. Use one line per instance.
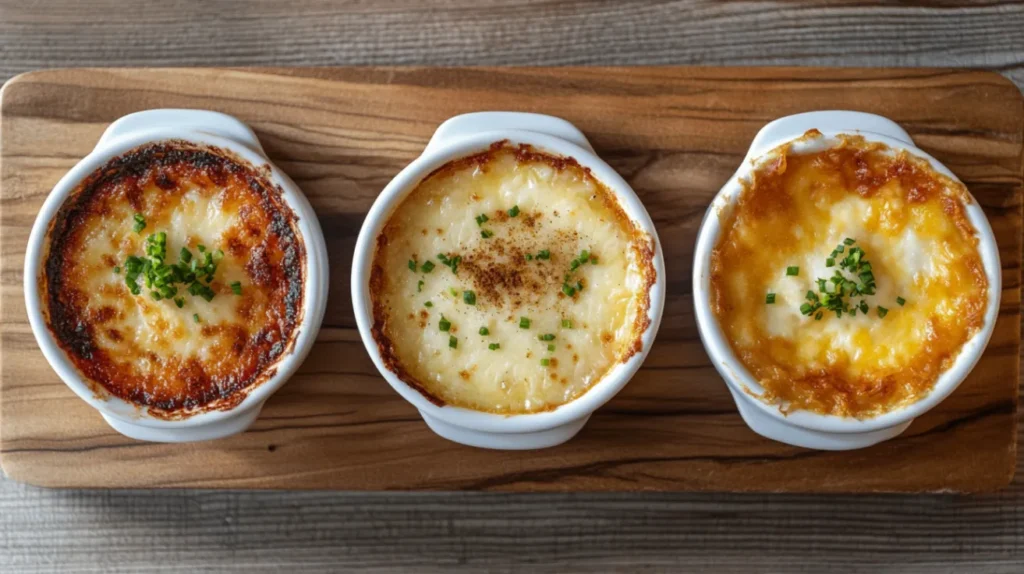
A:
(510, 282)
(173, 278)
(847, 280)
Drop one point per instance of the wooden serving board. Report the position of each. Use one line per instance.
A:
(676, 134)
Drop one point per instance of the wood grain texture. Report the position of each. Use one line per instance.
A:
(676, 134)
(44, 530)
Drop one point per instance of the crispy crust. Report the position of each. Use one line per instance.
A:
(865, 167)
(267, 239)
(643, 246)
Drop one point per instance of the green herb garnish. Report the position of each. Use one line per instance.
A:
(544, 254)
(546, 337)
(545, 362)
(428, 304)
(195, 317)
(419, 286)
(882, 311)
(769, 299)
(566, 324)
(451, 262)
(444, 324)
(792, 271)
(901, 301)
(485, 331)
(486, 234)
(453, 342)
(236, 287)
(427, 266)
(514, 211)
(524, 323)
(481, 219)
(551, 348)
(469, 297)
(494, 346)
(140, 223)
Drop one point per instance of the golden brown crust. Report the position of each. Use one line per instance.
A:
(865, 168)
(510, 284)
(267, 238)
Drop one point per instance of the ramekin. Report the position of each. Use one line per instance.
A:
(459, 137)
(204, 128)
(804, 428)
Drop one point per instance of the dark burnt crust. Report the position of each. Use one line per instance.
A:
(75, 335)
(643, 246)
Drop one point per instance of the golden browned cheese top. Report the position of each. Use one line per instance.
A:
(809, 212)
(510, 281)
(201, 355)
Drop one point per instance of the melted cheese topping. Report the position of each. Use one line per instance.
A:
(911, 223)
(562, 210)
(152, 352)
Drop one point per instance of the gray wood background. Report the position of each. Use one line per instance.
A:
(208, 531)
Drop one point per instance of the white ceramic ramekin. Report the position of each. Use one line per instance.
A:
(458, 137)
(205, 128)
(804, 428)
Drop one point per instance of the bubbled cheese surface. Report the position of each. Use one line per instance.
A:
(561, 210)
(911, 224)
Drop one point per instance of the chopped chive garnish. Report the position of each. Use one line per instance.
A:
(444, 324)
(806, 309)
(453, 291)
(419, 286)
(469, 297)
(524, 323)
(529, 257)
(551, 348)
(117, 269)
(769, 299)
(453, 342)
(185, 255)
(179, 301)
(830, 262)
(236, 287)
(195, 317)
(546, 337)
(428, 304)
(427, 267)
(863, 307)
(849, 241)
(485, 331)
(792, 271)
(593, 259)
(201, 248)
(486, 234)
(545, 362)
(568, 290)
(901, 301)
(579, 286)
(140, 223)
(412, 265)
(543, 254)
(840, 248)
(451, 262)
(882, 311)
(494, 346)
(566, 324)
(817, 316)
(514, 211)
(481, 219)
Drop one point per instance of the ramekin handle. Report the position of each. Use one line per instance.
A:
(468, 124)
(214, 123)
(790, 127)
(780, 431)
(505, 441)
(233, 425)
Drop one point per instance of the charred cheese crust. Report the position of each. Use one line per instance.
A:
(152, 353)
(911, 222)
(563, 210)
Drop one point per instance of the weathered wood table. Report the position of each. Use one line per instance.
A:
(188, 530)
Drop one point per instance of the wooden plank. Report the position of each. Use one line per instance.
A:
(675, 133)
